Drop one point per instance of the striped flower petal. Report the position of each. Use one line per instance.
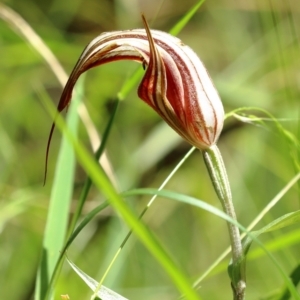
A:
(176, 84)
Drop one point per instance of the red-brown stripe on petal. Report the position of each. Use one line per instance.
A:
(154, 84)
(175, 84)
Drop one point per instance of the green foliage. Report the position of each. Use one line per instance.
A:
(57, 219)
(252, 53)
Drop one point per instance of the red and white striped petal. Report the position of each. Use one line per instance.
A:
(176, 84)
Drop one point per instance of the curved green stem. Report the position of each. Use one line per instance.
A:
(217, 171)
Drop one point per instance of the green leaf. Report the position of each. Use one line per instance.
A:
(83, 196)
(281, 222)
(182, 22)
(104, 293)
(61, 195)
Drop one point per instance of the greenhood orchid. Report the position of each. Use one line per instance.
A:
(176, 84)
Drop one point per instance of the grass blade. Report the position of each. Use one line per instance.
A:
(61, 195)
(105, 186)
(281, 222)
(181, 23)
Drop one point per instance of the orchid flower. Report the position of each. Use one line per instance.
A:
(177, 86)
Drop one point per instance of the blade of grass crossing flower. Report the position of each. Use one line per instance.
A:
(185, 19)
(146, 237)
(130, 84)
(61, 195)
(136, 77)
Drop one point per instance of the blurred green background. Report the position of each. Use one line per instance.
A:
(251, 50)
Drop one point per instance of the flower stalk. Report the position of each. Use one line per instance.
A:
(218, 175)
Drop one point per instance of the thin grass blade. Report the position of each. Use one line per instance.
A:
(185, 19)
(281, 222)
(101, 181)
